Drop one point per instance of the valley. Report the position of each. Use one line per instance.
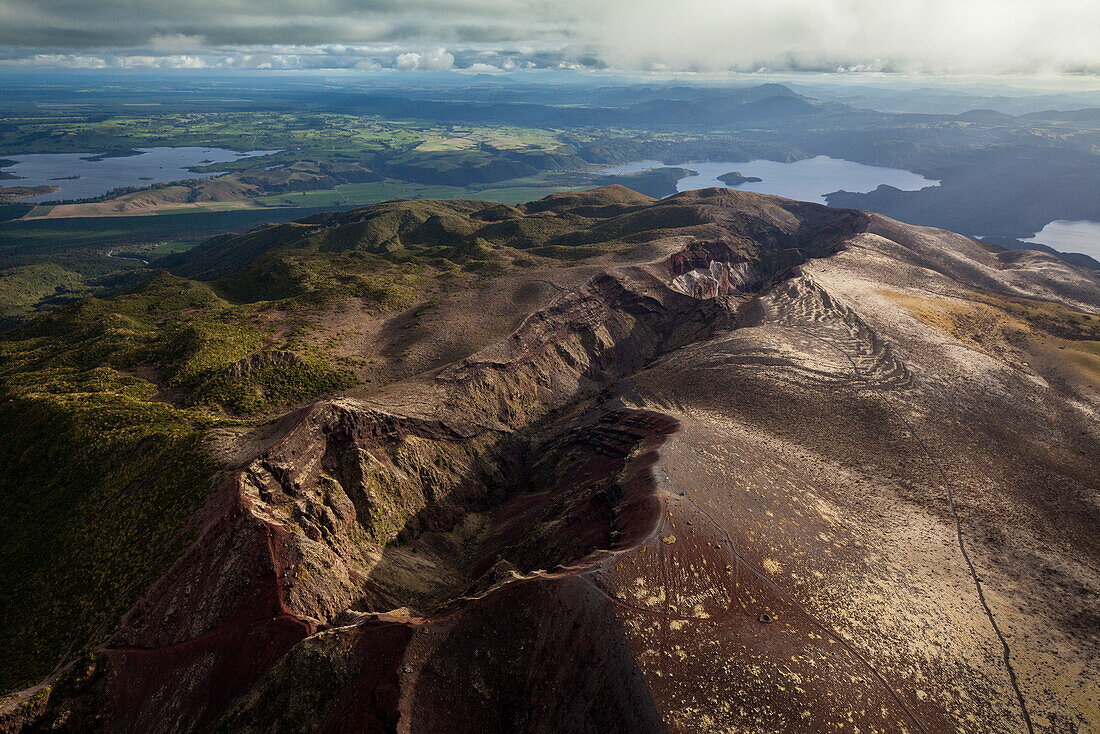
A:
(362, 142)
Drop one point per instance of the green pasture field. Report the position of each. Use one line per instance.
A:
(318, 135)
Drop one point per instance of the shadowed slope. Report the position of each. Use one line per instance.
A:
(745, 467)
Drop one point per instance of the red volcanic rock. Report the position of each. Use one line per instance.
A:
(760, 470)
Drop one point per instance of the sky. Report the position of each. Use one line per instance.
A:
(987, 37)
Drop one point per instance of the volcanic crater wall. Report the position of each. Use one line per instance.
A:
(360, 510)
(735, 263)
(368, 525)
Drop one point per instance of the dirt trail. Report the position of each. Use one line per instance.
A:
(876, 386)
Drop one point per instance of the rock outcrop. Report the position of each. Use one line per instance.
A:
(738, 478)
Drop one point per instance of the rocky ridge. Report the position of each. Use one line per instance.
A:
(683, 494)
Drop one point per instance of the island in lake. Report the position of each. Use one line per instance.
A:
(733, 178)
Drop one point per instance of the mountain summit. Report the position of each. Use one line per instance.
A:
(598, 462)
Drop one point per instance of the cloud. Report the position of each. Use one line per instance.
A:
(113, 61)
(172, 61)
(983, 36)
(176, 42)
(69, 61)
(407, 62)
(962, 36)
(125, 23)
(436, 60)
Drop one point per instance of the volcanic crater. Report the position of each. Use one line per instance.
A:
(720, 478)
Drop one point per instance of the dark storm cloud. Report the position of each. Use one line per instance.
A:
(125, 23)
(962, 36)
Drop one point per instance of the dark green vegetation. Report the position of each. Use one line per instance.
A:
(45, 263)
(9, 212)
(388, 252)
(356, 142)
(105, 402)
(658, 183)
(98, 482)
(104, 405)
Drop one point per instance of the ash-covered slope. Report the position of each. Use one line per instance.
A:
(755, 466)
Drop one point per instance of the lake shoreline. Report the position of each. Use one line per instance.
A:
(89, 175)
(808, 179)
(1069, 235)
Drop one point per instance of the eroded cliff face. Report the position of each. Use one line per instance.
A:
(677, 497)
(360, 509)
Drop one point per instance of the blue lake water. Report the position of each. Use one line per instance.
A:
(1069, 236)
(806, 180)
(95, 176)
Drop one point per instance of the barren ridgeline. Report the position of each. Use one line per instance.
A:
(749, 464)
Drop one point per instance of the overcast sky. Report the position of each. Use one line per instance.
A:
(955, 36)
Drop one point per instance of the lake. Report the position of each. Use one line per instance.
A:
(1069, 236)
(806, 180)
(84, 175)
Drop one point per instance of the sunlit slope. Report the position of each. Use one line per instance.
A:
(718, 462)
